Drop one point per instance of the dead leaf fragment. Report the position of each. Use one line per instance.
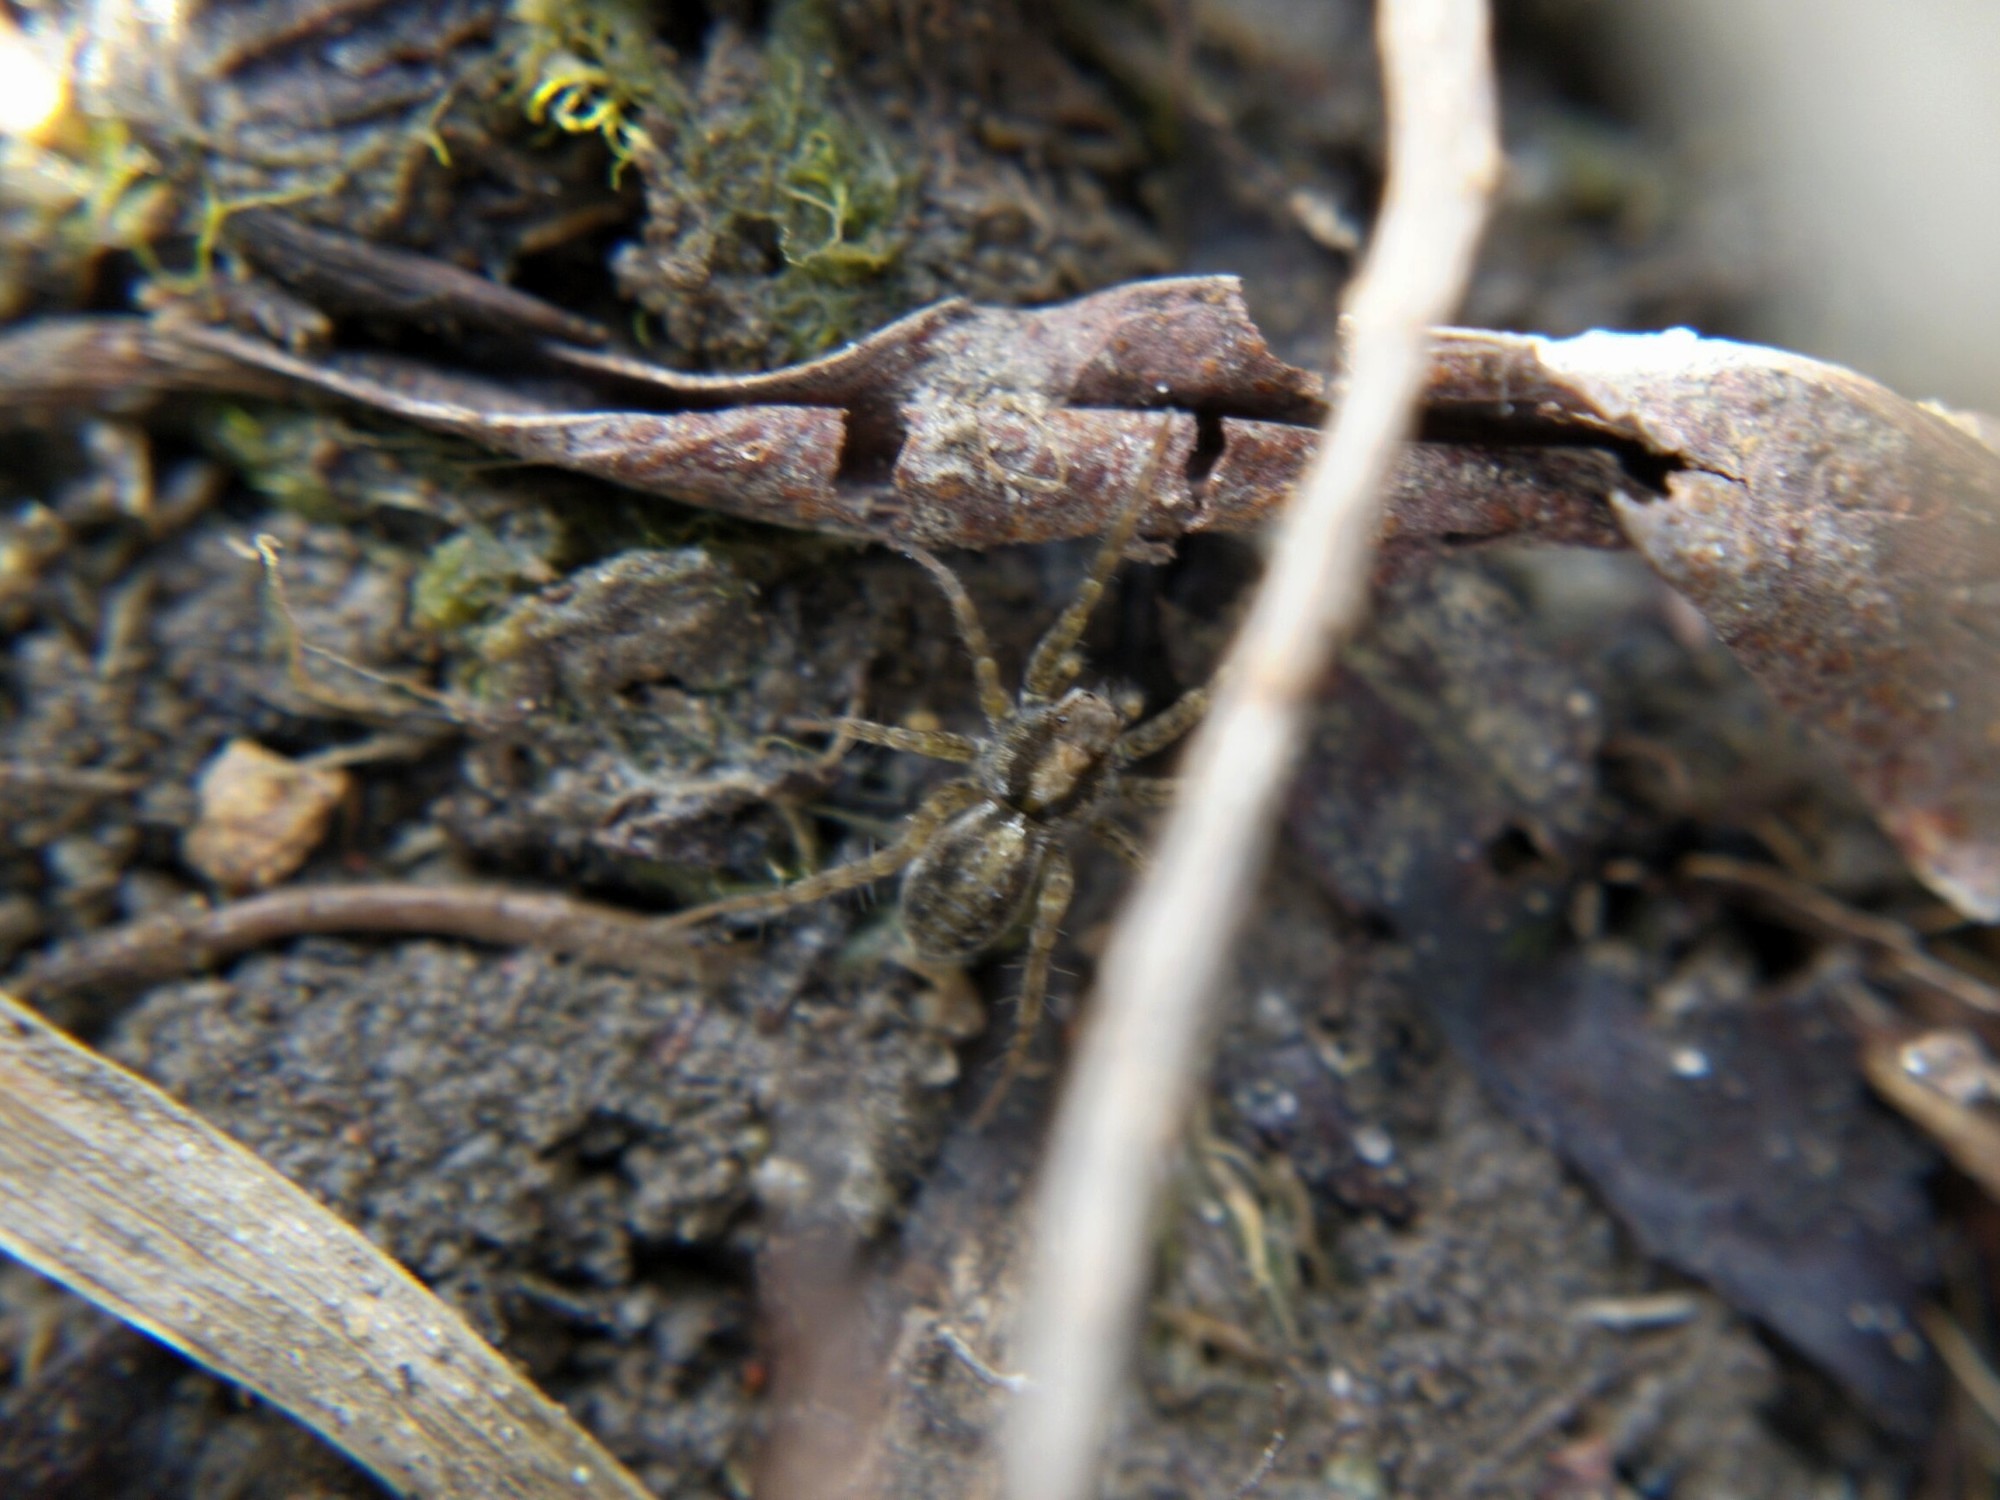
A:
(957, 426)
(260, 815)
(1842, 541)
(1450, 781)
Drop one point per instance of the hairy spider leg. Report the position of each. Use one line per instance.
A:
(1054, 663)
(1149, 791)
(1120, 842)
(1166, 726)
(1051, 901)
(993, 699)
(934, 743)
(946, 802)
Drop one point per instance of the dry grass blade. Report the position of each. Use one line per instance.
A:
(117, 1192)
(1127, 1094)
(1962, 1357)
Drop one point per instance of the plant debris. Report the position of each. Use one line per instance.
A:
(1839, 539)
(123, 1194)
(260, 815)
(173, 943)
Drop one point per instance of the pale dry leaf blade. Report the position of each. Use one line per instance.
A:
(122, 1195)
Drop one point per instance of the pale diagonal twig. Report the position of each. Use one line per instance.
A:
(1131, 1081)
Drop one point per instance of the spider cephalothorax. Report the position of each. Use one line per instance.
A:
(985, 855)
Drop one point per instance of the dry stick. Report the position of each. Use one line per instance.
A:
(1962, 1357)
(126, 1198)
(169, 944)
(1130, 1085)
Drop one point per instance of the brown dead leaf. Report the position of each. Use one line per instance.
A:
(1844, 542)
(957, 426)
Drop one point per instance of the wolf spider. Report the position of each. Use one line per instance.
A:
(984, 855)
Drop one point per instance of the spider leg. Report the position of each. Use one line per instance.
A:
(1149, 791)
(993, 699)
(1054, 664)
(1160, 731)
(934, 743)
(1051, 901)
(1120, 842)
(947, 801)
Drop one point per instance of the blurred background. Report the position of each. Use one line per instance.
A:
(1857, 140)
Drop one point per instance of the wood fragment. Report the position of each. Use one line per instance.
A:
(111, 1188)
(260, 815)
(342, 273)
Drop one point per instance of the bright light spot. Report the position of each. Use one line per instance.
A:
(33, 90)
(1690, 1062)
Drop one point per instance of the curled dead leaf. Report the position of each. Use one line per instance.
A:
(1842, 541)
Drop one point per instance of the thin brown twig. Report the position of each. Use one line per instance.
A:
(83, 781)
(1962, 1357)
(1131, 1083)
(1898, 950)
(166, 945)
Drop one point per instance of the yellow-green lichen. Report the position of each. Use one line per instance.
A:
(592, 67)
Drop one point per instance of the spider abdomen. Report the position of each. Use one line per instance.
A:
(972, 884)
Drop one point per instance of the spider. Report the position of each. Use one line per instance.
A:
(985, 855)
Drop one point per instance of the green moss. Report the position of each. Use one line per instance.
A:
(776, 212)
(468, 578)
(779, 209)
(284, 457)
(806, 161)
